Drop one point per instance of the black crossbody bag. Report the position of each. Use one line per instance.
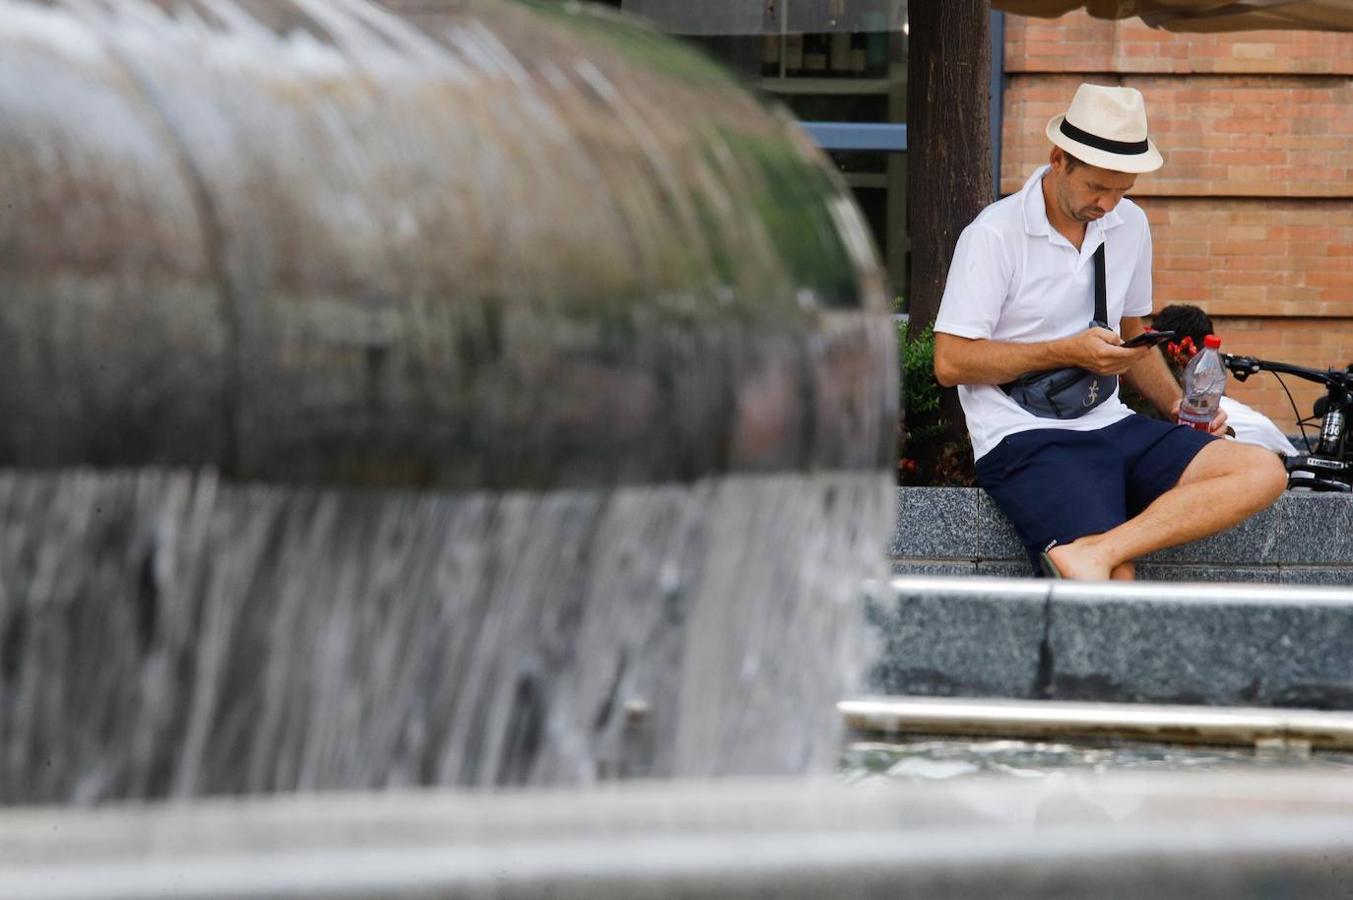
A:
(1070, 392)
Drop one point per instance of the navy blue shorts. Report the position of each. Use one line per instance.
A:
(1057, 485)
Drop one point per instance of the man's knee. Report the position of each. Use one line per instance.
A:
(1273, 475)
(1262, 469)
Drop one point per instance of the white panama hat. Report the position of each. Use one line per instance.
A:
(1106, 127)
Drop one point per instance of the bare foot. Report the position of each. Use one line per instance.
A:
(1080, 560)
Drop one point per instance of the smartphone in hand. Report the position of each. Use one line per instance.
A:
(1148, 339)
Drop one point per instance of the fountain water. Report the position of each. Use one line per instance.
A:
(468, 392)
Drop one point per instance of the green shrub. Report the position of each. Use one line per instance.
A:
(920, 390)
(929, 456)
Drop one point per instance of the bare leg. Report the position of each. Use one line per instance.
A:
(1226, 483)
(1124, 572)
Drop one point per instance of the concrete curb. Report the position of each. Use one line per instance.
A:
(1202, 644)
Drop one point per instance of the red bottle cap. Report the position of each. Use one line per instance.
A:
(1212, 340)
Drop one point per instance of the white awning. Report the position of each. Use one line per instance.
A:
(728, 17)
(1201, 15)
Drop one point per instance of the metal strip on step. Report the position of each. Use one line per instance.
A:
(1194, 593)
(1131, 721)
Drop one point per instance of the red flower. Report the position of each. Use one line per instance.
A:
(1183, 351)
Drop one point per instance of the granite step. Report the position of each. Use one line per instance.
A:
(1305, 538)
(1180, 643)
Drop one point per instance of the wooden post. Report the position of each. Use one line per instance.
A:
(949, 160)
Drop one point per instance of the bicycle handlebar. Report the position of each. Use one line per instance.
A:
(1245, 366)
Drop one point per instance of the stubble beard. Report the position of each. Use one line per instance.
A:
(1084, 216)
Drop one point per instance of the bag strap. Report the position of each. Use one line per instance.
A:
(1101, 294)
(1101, 313)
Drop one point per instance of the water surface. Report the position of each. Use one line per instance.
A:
(937, 759)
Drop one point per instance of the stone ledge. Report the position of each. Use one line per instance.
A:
(1303, 538)
(1217, 645)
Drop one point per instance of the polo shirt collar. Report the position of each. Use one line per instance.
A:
(1036, 222)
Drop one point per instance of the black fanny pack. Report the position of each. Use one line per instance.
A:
(1070, 392)
(1061, 393)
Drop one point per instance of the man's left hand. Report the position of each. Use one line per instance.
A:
(1218, 426)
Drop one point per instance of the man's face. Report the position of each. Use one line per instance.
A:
(1086, 193)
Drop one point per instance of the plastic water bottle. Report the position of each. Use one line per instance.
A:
(1204, 382)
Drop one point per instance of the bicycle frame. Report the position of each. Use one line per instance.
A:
(1329, 466)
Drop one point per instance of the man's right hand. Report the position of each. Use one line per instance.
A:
(1099, 351)
(960, 360)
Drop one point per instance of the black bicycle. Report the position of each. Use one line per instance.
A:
(1327, 466)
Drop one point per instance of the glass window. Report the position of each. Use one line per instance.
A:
(830, 61)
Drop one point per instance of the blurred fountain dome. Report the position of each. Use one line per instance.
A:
(369, 241)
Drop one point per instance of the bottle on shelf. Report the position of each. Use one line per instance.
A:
(876, 44)
(839, 61)
(859, 54)
(1204, 383)
(770, 55)
(838, 39)
(793, 54)
(815, 52)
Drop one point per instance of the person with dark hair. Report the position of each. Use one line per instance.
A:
(1190, 325)
(1089, 485)
(1186, 320)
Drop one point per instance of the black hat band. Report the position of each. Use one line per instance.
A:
(1122, 148)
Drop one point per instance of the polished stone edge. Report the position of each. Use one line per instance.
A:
(1205, 644)
(1185, 835)
(1303, 538)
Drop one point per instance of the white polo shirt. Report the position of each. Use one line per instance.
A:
(1015, 278)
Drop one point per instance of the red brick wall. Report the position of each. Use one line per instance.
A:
(1252, 214)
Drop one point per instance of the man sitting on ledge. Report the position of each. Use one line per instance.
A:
(1089, 485)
